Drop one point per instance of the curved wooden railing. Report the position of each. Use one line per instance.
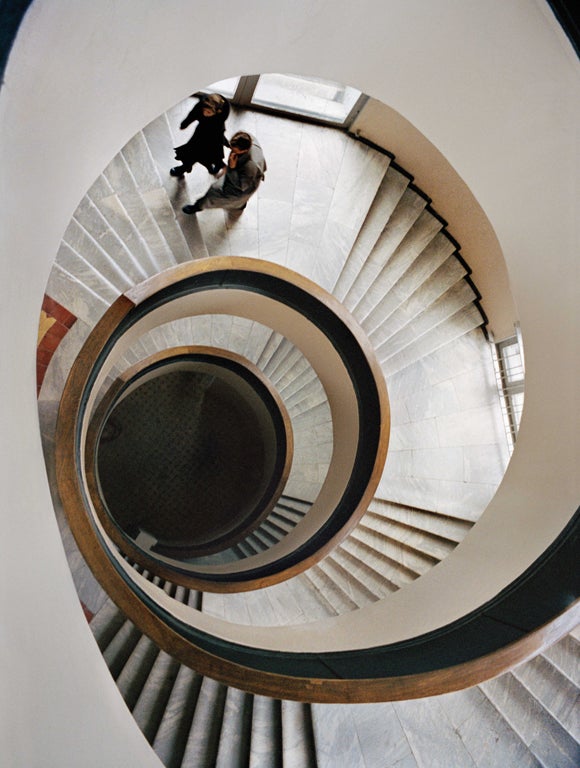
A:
(534, 610)
(347, 368)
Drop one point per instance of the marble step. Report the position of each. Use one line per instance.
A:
(335, 733)
(120, 648)
(299, 750)
(299, 386)
(359, 178)
(266, 734)
(269, 348)
(120, 233)
(273, 529)
(365, 290)
(266, 537)
(153, 699)
(413, 554)
(106, 623)
(282, 360)
(90, 239)
(105, 221)
(336, 568)
(432, 545)
(234, 743)
(565, 656)
(258, 543)
(173, 732)
(548, 741)
(134, 674)
(78, 287)
(354, 558)
(330, 590)
(120, 177)
(384, 557)
(389, 317)
(401, 280)
(408, 250)
(452, 529)
(409, 331)
(388, 195)
(555, 692)
(449, 330)
(203, 740)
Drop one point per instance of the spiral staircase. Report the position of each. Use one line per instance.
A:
(348, 218)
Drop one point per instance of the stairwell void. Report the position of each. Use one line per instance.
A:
(391, 263)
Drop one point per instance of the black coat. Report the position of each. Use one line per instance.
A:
(206, 146)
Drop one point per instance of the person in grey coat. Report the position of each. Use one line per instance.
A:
(239, 180)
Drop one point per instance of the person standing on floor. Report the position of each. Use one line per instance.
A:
(206, 146)
(239, 180)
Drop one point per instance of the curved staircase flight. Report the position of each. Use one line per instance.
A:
(343, 215)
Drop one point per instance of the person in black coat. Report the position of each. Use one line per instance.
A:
(206, 146)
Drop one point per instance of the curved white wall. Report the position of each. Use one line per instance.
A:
(495, 87)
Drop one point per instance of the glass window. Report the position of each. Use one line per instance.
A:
(306, 96)
(510, 373)
(226, 88)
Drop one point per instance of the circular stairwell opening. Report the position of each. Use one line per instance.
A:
(191, 455)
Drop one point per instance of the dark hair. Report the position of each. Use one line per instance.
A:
(241, 140)
(216, 102)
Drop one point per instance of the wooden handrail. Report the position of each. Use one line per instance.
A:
(208, 276)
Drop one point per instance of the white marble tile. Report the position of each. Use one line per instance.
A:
(477, 426)
(158, 203)
(415, 435)
(387, 197)
(121, 260)
(485, 463)
(92, 264)
(274, 218)
(402, 219)
(137, 258)
(140, 161)
(444, 333)
(441, 463)
(431, 736)
(384, 746)
(85, 280)
(321, 155)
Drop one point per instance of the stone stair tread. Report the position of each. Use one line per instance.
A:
(459, 324)
(330, 590)
(117, 261)
(365, 291)
(134, 674)
(266, 734)
(416, 241)
(336, 568)
(136, 257)
(410, 330)
(555, 692)
(203, 740)
(234, 743)
(565, 655)
(173, 732)
(382, 324)
(550, 744)
(390, 191)
(298, 746)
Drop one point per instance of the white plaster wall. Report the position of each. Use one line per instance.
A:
(83, 78)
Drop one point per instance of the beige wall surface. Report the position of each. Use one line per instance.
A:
(494, 87)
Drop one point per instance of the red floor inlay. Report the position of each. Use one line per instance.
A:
(55, 322)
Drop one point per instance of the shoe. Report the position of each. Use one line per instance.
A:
(191, 208)
(177, 171)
